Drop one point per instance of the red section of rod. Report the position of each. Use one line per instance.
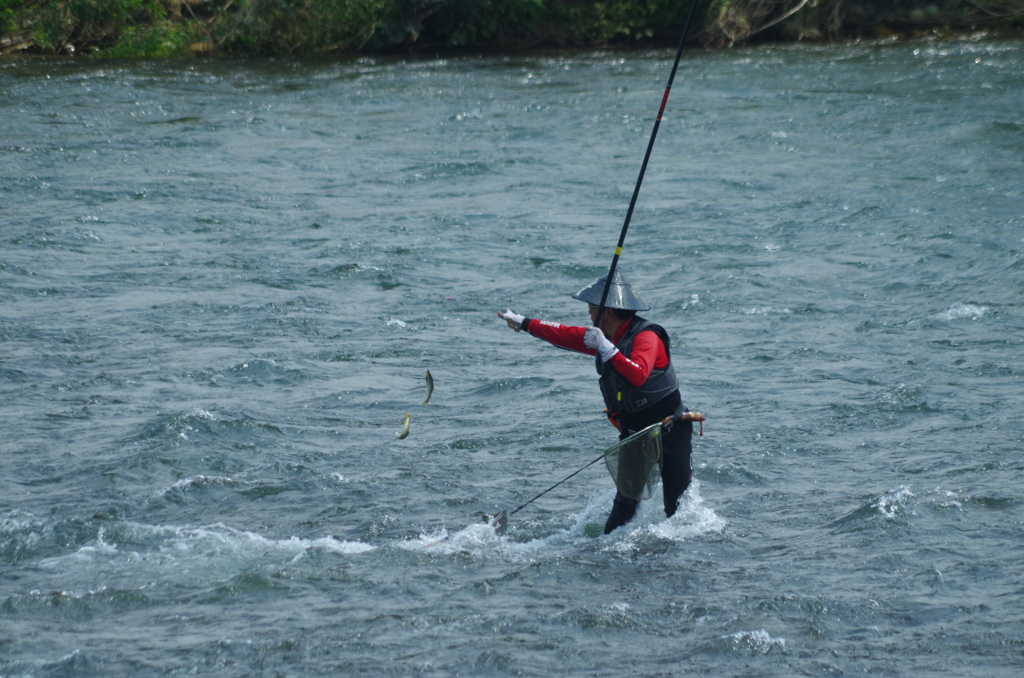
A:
(664, 100)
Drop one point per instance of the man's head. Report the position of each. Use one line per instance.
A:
(617, 313)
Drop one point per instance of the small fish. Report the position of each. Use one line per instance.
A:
(405, 427)
(498, 522)
(430, 387)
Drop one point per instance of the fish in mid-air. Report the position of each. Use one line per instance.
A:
(405, 427)
(430, 387)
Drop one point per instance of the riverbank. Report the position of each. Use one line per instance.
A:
(180, 28)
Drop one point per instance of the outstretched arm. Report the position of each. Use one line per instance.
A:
(562, 336)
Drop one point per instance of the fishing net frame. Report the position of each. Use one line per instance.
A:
(635, 463)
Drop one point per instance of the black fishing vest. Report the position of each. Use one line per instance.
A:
(620, 395)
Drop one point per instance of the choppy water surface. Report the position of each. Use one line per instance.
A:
(222, 283)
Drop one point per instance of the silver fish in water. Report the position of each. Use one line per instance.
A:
(430, 387)
(405, 427)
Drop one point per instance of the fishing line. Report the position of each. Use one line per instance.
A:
(500, 521)
(643, 166)
(665, 425)
(514, 511)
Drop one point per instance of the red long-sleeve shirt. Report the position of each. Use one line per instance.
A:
(648, 350)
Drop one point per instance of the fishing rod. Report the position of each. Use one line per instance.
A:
(643, 166)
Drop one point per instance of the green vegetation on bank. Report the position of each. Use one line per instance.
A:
(179, 28)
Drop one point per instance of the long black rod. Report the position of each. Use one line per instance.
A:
(643, 167)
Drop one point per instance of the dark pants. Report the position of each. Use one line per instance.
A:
(676, 448)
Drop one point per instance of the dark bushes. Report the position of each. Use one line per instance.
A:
(168, 28)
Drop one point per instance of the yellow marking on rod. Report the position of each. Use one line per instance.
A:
(618, 251)
(620, 396)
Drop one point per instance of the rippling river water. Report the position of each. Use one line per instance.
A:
(222, 283)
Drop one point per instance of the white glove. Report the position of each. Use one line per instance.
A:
(514, 320)
(594, 338)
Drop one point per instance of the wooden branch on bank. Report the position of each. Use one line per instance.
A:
(1007, 11)
(781, 18)
(15, 43)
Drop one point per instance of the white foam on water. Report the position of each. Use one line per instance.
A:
(767, 310)
(757, 641)
(169, 552)
(481, 539)
(198, 481)
(895, 503)
(474, 538)
(962, 311)
(101, 548)
(692, 519)
(947, 499)
(329, 544)
(16, 521)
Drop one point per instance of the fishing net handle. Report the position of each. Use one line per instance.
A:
(685, 416)
(667, 422)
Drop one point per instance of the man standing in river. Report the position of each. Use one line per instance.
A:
(637, 379)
